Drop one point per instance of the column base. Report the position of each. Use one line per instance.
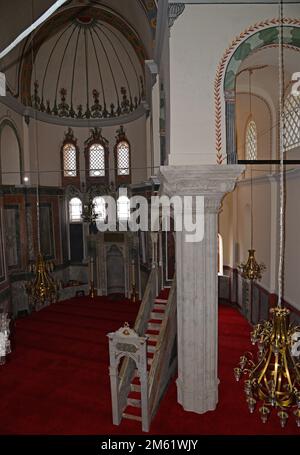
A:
(199, 403)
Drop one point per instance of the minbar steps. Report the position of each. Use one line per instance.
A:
(133, 409)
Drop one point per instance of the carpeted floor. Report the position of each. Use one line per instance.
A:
(56, 380)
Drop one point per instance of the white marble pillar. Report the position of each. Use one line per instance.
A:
(197, 285)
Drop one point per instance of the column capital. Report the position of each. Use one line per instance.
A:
(211, 180)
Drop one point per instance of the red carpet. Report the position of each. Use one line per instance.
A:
(56, 381)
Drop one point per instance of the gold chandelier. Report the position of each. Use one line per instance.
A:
(43, 289)
(89, 214)
(273, 379)
(251, 270)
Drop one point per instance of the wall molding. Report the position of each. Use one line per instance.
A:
(30, 113)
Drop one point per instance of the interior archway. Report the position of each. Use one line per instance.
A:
(10, 149)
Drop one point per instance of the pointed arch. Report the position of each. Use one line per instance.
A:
(256, 36)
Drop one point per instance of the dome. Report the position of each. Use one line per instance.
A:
(88, 63)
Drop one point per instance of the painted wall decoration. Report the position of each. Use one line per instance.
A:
(30, 244)
(256, 36)
(46, 231)
(151, 11)
(12, 235)
(2, 262)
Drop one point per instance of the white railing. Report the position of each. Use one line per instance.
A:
(128, 367)
(163, 365)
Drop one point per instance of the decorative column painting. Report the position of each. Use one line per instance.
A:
(30, 244)
(12, 236)
(46, 231)
(2, 263)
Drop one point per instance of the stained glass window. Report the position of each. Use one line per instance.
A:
(251, 141)
(97, 160)
(292, 122)
(123, 158)
(75, 210)
(69, 160)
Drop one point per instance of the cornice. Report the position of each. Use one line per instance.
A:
(30, 113)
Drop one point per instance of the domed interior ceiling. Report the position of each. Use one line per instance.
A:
(88, 63)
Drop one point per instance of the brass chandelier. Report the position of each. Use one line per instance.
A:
(43, 288)
(89, 214)
(251, 270)
(272, 380)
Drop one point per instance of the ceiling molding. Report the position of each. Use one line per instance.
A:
(30, 113)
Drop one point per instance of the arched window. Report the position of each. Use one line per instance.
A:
(292, 122)
(96, 160)
(251, 141)
(123, 208)
(70, 159)
(122, 157)
(100, 207)
(75, 210)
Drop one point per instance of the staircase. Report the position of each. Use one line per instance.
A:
(153, 332)
(149, 353)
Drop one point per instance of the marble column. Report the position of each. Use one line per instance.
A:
(197, 285)
(230, 114)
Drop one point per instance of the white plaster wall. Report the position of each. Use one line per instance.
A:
(49, 140)
(199, 37)
(226, 229)
(266, 231)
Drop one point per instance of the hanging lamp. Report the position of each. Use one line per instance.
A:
(43, 288)
(251, 270)
(272, 378)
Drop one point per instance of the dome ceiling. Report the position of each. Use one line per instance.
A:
(88, 63)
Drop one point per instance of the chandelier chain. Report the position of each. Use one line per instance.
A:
(36, 143)
(281, 151)
(251, 208)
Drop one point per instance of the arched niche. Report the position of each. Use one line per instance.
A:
(10, 153)
(268, 37)
(115, 271)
